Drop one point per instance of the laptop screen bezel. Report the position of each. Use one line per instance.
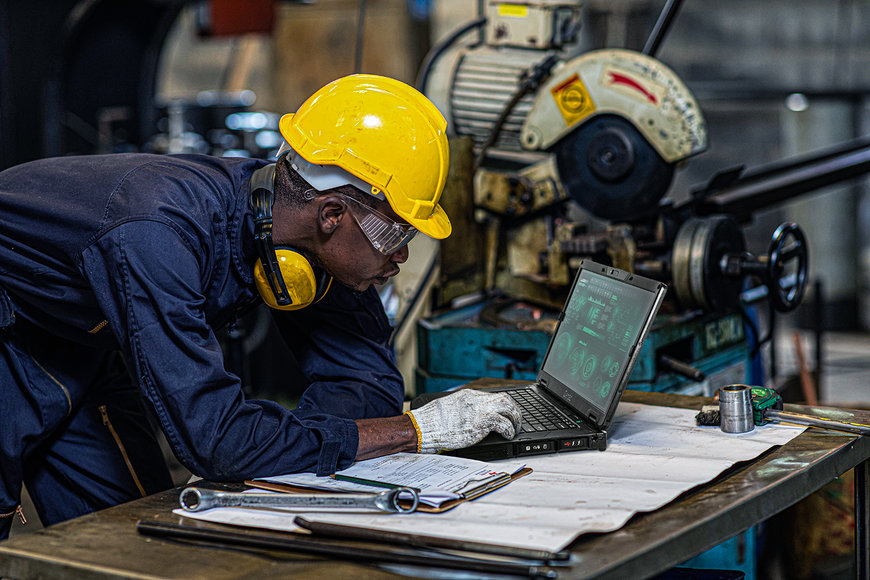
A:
(592, 412)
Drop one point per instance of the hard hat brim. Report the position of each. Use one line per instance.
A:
(437, 226)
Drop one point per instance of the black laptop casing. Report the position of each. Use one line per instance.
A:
(591, 417)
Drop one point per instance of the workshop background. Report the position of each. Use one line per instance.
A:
(775, 81)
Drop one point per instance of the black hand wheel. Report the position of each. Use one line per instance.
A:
(787, 268)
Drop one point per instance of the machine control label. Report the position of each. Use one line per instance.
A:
(513, 10)
(573, 100)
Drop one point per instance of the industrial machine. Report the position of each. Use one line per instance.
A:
(560, 155)
(572, 156)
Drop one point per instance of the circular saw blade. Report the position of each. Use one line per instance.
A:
(611, 170)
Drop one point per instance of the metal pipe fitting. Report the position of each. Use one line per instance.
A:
(735, 409)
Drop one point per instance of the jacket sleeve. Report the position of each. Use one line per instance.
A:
(148, 279)
(342, 345)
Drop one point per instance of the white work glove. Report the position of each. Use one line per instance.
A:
(464, 418)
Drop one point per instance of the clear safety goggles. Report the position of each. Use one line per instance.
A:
(386, 235)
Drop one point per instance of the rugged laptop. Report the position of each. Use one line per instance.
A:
(587, 365)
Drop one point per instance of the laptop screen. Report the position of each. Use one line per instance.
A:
(592, 347)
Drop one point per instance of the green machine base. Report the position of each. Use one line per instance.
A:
(459, 346)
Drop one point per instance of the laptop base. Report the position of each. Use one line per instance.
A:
(484, 452)
(494, 446)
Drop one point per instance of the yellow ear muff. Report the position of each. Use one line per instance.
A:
(303, 286)
(283, 277)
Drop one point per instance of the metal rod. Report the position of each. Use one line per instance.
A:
(682, 368)
(752, 192)
(422, 286)
(342, 551)
(771, 334)
(813, 421)
(328, 529)
(360, 37)
(662, 25)
(819, 324)
(862, 520)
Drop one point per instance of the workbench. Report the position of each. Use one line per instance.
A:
(106, 544)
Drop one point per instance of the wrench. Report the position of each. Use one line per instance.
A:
(194, 499)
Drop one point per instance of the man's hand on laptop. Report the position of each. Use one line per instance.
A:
(464, 418)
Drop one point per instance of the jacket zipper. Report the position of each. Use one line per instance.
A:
(18, 511)
(105, 414)
(59, 384)
(98, 327)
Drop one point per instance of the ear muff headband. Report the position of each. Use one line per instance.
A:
(283, 277)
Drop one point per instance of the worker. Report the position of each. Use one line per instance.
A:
(116, 271)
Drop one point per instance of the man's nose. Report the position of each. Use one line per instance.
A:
(400, 256)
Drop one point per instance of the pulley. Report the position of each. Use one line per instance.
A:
(699, 247)
(709, 263)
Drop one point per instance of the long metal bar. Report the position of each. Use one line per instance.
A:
(331, 530)
(819, 328)
(662, 25)
(765, 187)
(340, 551)
(813, 421)
(862, 520)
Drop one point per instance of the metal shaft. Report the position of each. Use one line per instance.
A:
(194, 499)
(814, 421)
(661, 27)
(862, 520)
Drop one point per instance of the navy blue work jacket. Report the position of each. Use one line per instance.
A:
(149, 254)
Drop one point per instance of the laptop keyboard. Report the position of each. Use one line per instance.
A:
(538, 414)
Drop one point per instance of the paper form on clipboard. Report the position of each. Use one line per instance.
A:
(442, 481)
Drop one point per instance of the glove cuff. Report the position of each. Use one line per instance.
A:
(417, 429)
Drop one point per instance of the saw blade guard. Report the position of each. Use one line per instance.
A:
(624, 83)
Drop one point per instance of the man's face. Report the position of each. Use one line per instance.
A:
(352, 258)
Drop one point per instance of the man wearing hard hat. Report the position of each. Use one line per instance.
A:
(116, 270)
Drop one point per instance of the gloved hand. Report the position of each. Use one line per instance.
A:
(464, 418)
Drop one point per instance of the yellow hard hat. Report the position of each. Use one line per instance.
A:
(382, 132)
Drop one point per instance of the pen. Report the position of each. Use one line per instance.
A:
(371, 482)
(487, 486)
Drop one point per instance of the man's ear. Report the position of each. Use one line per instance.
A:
(331, 213)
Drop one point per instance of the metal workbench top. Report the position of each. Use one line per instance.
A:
(107, 545)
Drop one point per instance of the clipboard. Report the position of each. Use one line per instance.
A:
(446, 506)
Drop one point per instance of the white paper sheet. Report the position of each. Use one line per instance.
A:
(654, 454)
(440, 478)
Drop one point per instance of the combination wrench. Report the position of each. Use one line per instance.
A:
(195, 499)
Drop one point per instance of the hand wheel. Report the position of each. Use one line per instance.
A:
(787, 257)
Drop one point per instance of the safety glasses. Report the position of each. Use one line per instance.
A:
(386, 235)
